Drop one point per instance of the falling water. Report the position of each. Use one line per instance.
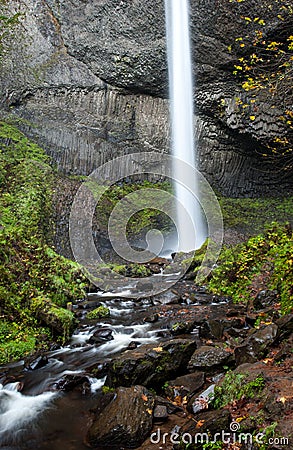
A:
(191, 233)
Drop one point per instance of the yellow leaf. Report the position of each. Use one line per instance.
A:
(267, 360)
(200, 423)
(150, 411)
(239, 419)
(158, 349)
(252, 117)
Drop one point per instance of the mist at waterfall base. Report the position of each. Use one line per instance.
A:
(191, 224)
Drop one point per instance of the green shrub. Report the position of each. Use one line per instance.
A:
(268, 255)
(235, 387)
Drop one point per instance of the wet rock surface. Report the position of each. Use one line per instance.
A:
(125, 422)
(150, 364)
(257, 345)
(185, 371)
(208, 358)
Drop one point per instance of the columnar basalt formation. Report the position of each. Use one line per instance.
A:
(88, 80)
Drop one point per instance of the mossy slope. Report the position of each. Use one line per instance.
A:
(35, 282)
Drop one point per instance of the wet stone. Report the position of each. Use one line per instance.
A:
(151, 319)
(265, 298)
(125, 422)
(208, 421)
(132, 345)
(160, 413)
(101, 335)
(208, 357)
(187, 384)
(150, 364)
(256, 345)
(285, 324)
(144, 286)
(37, 363)
(167, 298)
(71, 382)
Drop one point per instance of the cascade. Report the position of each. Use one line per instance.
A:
(191, 233)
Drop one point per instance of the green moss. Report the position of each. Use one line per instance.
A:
(30, 270)
(267, 256)
(251, 215)
(145, 218)
(98, 313)
(107, 390)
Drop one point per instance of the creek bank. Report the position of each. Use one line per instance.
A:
(205, 369)
(216, 328)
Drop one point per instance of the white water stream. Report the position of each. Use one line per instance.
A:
(24, 404)
(191, 233)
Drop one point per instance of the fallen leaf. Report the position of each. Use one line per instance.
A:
(158, 349)
(200, 423)
(149, 411)
(267, 360)
(144, 397)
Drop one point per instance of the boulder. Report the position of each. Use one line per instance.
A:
(160, 413)
(151, 364)
(70, 382)
(101, 335)
(208, 421)
(285, 325)
(256, 345)
(37, 363)
(208, 358)
(167, 298)
(125, 422)
(185, 385)
(265, 298)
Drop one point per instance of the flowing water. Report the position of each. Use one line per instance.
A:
(35, 413)
(38, 408)
(192, 233)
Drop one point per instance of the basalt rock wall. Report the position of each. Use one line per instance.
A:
(88, 80)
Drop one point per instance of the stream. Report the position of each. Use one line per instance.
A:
(34, 410)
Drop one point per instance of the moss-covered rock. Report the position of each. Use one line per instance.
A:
(98, 313)
(151, 365)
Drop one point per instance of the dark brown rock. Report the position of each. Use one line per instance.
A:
(186, 385)
(160, 413)
(257, 345)
(285, 325)
(208, 358)
(210, 421)
(151, 364)
(125, 422)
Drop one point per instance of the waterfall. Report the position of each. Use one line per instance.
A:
(191, 233)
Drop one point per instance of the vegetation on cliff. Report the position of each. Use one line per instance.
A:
(263, 262)
(36, 283)
(264, 71)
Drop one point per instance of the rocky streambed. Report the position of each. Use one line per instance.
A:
(153, 368)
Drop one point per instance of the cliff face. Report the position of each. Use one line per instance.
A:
(89, 81)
